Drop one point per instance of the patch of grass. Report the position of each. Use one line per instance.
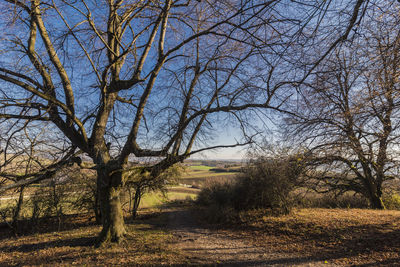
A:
(342, 236)
(145, 244)
(200, 167)
(207, 174)
(202, 170)
(156, 200)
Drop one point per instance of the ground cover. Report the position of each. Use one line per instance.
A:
(344, 237)
(174, 236)
(75, 246)
(171, 233)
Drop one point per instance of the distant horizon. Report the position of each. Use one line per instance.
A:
(215, 159)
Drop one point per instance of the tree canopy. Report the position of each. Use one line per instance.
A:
(119, 79)
(349, 112)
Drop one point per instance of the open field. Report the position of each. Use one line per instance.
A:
(199, 175)
(207, 171)
(156, 200)
(200, 168)
(307, 237)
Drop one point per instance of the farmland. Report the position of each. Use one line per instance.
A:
(197, 176)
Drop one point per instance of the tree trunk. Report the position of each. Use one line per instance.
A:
(109, 189)
(17, 211)
(374, 193)
(136, 202)
(376, 202)
(96, 207)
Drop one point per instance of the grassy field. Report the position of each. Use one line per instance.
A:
(199, 175)
(157, 200)
(196, 176)
(200, 168)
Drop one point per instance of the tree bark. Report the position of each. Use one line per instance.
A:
(374, 193)
(136, 202)
(376, 201)
(112, 218)
(96, 207)
(17, 211)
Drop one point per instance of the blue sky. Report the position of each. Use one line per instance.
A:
(167, 90)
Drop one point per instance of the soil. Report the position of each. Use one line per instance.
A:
(204, 245)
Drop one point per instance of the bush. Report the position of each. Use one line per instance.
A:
(221, 194)
(392, 201)
(50, 200)
(56, 197)
(332, 201)
(218, 199)
(265, 184)
(86, 196)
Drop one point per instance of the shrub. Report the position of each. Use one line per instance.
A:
(55, 198)
(265, 184)
(11, 213)
(392, 201)
(86, 196)
(331, 201)
(217, 198)
(221, 194)
(50, 200)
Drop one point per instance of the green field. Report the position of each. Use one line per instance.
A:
(207, 174)
(156, 199)
(199, 171)
(200, 168)
(198, 175)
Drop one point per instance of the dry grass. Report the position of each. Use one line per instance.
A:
(146, 243)
(336, 236)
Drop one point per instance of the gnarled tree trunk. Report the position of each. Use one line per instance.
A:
(374, 194)
(109, 190)
(136, 201)
(376, 202)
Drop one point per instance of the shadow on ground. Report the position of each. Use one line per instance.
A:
(46, 225)
(269, 244)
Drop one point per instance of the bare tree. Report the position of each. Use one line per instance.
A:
(154, 79)
(27, 156)
(350, 110)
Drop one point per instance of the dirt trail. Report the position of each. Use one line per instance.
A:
(207, 246)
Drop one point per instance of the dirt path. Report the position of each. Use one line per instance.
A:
(206, 246)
